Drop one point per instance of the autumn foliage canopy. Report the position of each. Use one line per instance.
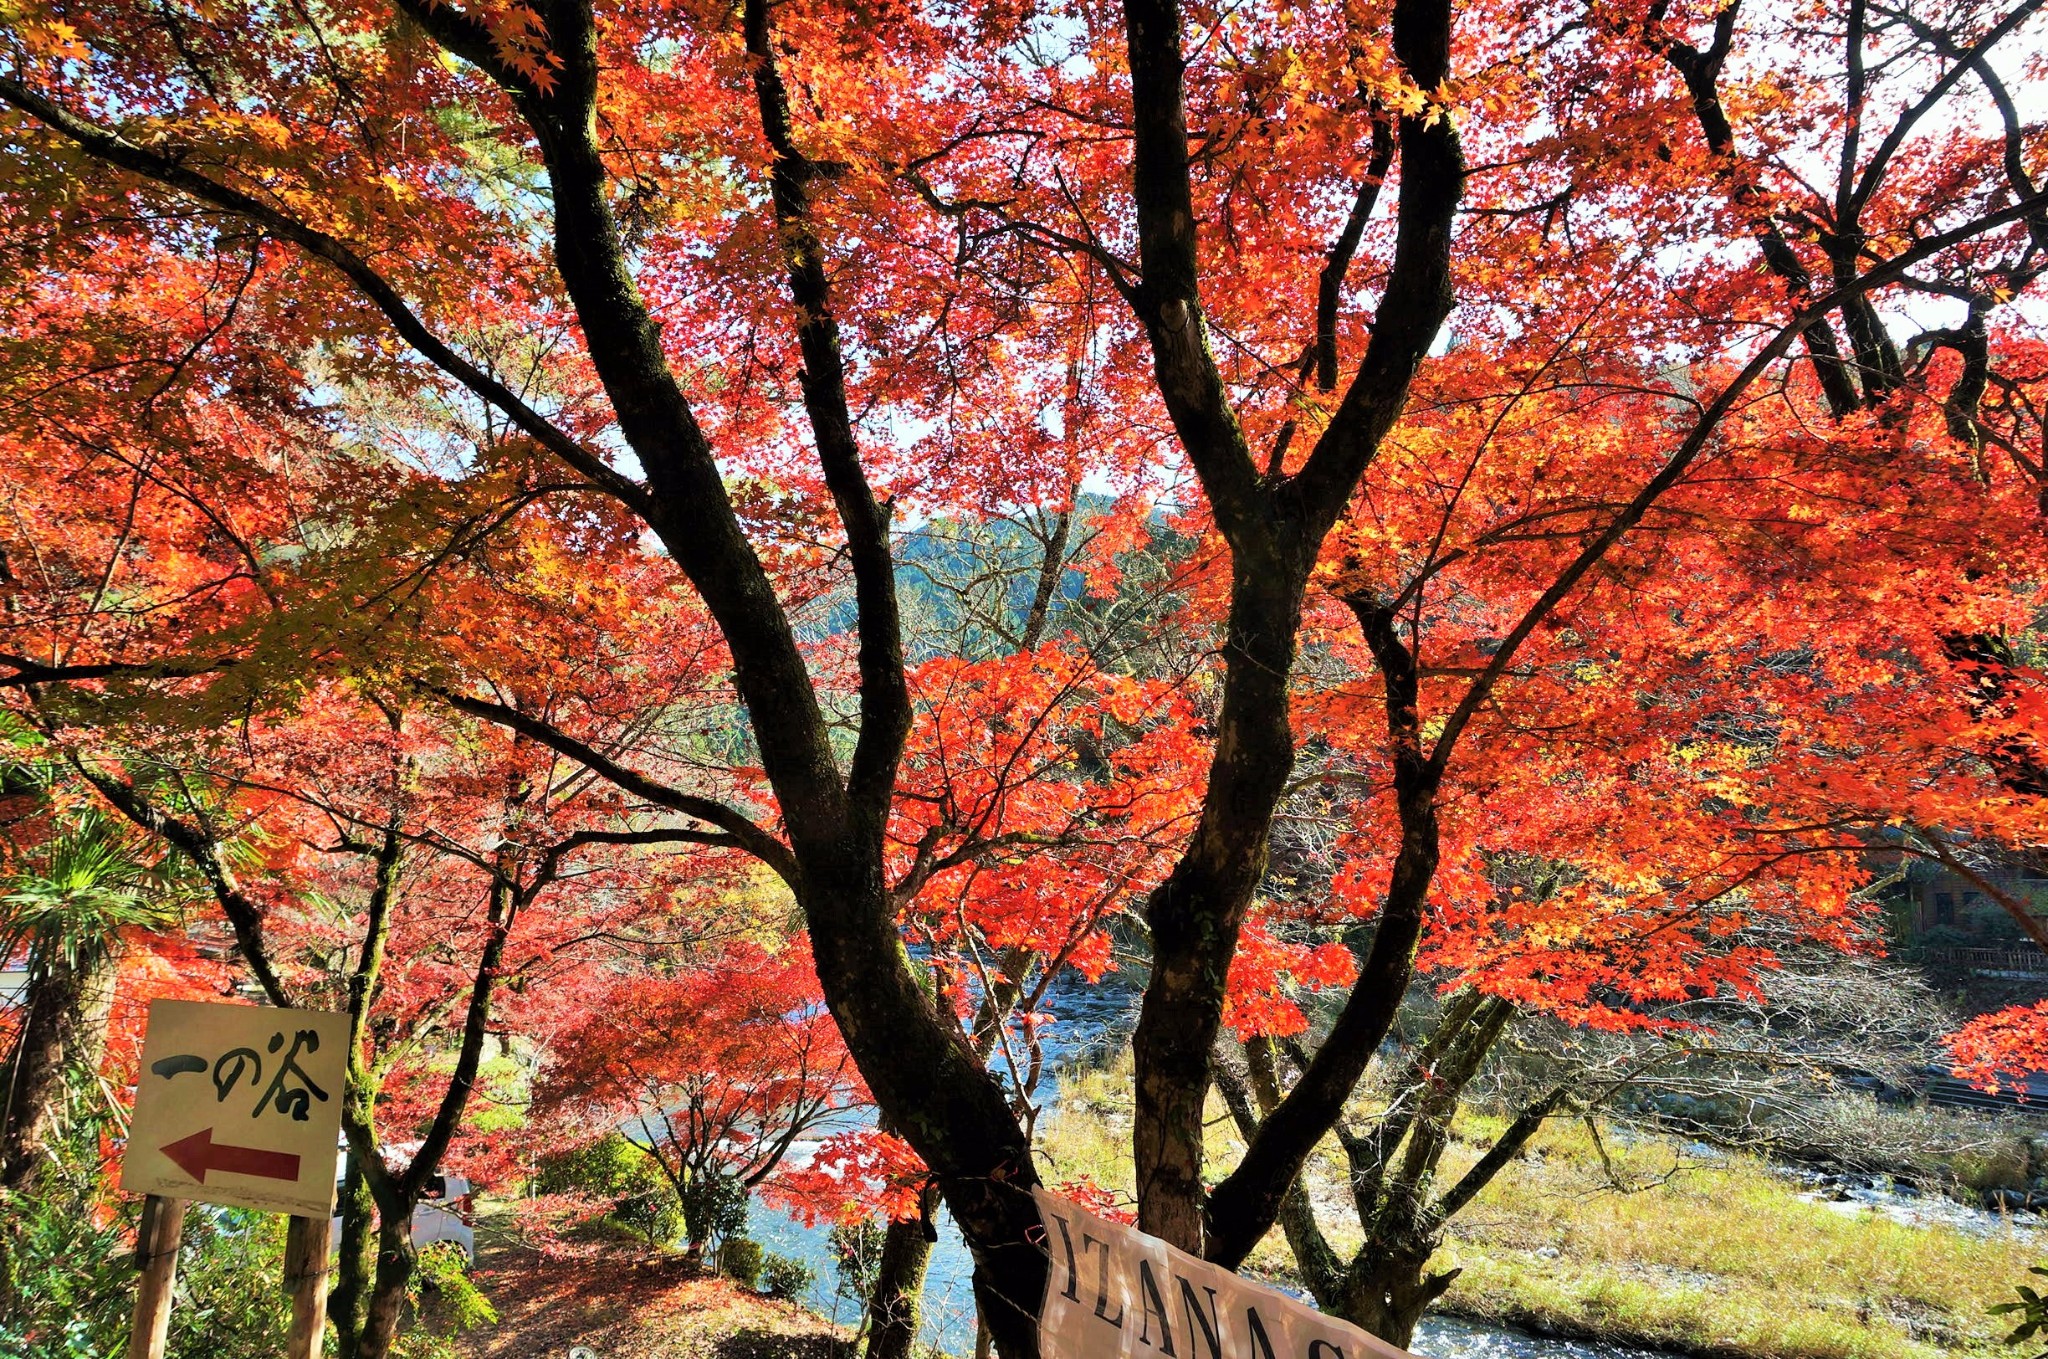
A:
(1543, 498)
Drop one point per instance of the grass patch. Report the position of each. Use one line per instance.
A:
(1716, 1258)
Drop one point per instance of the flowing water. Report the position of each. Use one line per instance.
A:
(1094, 1023)
(949, 1303)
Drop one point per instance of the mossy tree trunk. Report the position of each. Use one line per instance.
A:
(384, 1309)
(356, 1264)
(1391, 1167)
(894, 1306)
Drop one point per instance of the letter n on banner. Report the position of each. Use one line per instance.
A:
(1115, 1293)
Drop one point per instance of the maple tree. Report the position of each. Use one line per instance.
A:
(378, 829)
(755, 284)
(405, 880)
(1048, 777)
(1639, 820)
(722, 1068)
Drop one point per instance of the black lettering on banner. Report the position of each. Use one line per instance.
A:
(1071, 1292)
(294, 1101)
(1102, 1282)
(1152, 1303)
(230, 1067)
(1255, 1336)
(1199, 1323)
(1324, 1349)
(168, 1067)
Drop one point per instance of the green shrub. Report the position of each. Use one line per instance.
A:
(786, 1278)
(714, 1208)
(856, 1257)
(66, 1280)
(67, 1273)
(231, 1301)
(652, 1213)
(739, 1259)
(604, 1167)
(613, 1169)
(2003, 1165)
(442, 1270)
(2030, 1314)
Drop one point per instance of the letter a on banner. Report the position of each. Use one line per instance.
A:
(1114, 1293)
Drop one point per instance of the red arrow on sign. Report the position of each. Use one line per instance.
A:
(199, 1153)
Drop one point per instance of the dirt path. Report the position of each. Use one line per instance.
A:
(621, 1302)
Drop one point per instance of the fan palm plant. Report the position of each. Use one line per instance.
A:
(63, 913)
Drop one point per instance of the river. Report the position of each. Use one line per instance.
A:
(949, 1303)
(1093, 1020)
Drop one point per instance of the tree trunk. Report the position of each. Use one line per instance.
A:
(1389, 1295)
(355, 1269)
(64, 1029)
(696, 1236)
(1196, 914)
(928, 1080)
(893, 1307)
(1275, 527)
(384, 1309)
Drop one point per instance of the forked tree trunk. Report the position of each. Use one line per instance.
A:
(1389, 1290)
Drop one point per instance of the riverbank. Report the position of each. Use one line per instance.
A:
(1703, 1254)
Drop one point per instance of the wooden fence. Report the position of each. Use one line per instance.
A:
(2013, 958)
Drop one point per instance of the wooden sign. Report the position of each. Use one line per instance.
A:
(1115, 1293)
(238, 1104)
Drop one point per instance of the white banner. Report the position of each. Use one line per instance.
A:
(1115, 1293)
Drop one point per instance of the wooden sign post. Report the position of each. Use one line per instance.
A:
(308, 1256)
(240, 1105)
(156, 1255)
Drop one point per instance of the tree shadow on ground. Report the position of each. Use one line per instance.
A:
(752, 1343)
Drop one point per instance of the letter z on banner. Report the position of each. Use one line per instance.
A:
(1115, 1293)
